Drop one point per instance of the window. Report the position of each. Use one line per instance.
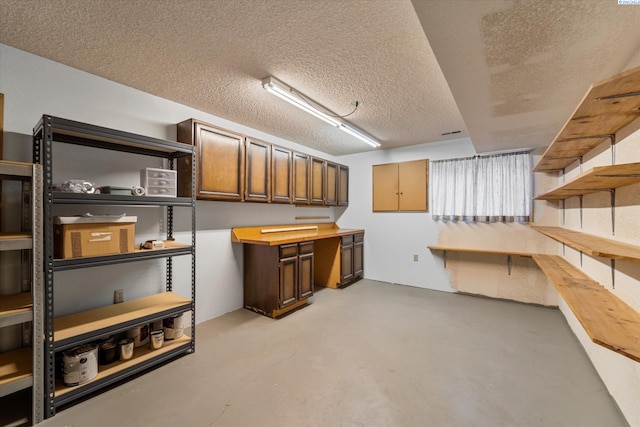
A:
(482, 188)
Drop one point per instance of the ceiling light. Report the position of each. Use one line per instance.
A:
(359, 134)
(292, 96)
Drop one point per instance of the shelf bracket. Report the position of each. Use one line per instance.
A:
(444, 258)
(613, 211)
(581, 163)
(613, 149)
(564, 213)
(580, 197)
(509, 264)
(580, 259)
(613, 273)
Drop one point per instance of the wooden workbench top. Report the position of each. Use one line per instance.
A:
(273, 235)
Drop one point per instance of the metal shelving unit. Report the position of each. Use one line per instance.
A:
(64, 332)
(22, 368)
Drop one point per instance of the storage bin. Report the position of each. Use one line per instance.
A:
(93, 236)
(159, 182)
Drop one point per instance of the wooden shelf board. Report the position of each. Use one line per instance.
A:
(16, 308)
(480, 251)
(607, 320)
(594, 117)
(592, 245)
(140, 355)
(596, 179)
(15, 169)
(15, 241)
(90, 321)
(15, 367)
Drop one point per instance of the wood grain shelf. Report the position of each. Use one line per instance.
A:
(15, 371)
(15, 241)
(592, 245)
(140, 354)
(481, 251)
(600, 178)
(607, 320)
(84, 326)
(16, 308)
(607, 107)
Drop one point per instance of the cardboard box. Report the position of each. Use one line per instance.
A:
(93, 236)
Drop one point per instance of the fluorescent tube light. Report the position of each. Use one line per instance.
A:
(287, 93)
(279, 89)
(359, 134)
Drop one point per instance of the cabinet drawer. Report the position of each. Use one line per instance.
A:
(287, 251)
(358, 238)
(347, 240)
(305, 248)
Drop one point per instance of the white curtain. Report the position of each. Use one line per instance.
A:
(482, 188)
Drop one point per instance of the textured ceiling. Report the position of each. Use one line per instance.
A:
(516, 69)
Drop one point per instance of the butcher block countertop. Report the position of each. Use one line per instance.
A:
(273, 235)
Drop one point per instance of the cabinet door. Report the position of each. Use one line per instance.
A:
(220, 164)
(305, 277)
(317, 181)
(412, 179)
(346, 259)
(385, 187)
(281, 180)
(301, 178)
(258, 162)
(343, 185)
(288, 281)
(358, 256)
(331, 184)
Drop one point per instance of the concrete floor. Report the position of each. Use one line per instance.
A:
(373, 354)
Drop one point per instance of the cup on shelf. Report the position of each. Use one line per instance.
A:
(126, 348)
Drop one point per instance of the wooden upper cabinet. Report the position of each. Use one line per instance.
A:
(281, 175)
(219, 162)
(331, 184)
(301, 178)
(343, 185)
(258, 164)
(400, 186)
(317, 181)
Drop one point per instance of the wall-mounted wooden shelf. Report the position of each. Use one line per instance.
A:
(592, 245)
(600, 178)
(607, 107)
(509, 254)
(607, 320)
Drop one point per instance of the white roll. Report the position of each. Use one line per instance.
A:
(138, 191)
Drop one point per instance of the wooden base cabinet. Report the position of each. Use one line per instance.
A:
(278, 279)
(351, 258)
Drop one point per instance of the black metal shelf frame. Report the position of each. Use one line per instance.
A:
(51, 129)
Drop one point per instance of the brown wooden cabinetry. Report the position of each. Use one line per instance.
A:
(301, 178)
(400, 186)
(213, 147)
(343, 185)
(235, 167)
(281, 175)
(277, 279)
(317, 181)
(351, 258)
(331, 184)
(258, 164)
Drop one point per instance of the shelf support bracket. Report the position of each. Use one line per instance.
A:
(580, 197)
(581, 163)
(613, 211)
(580, 259)
(444, 258)
(613, 149)
(613, 273)
(564, 213)
(509, 264)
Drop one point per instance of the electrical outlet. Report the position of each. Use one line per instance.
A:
(118, 296)
(415, 257)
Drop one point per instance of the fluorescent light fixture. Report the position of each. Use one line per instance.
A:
(292, 96)
(359, 134)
